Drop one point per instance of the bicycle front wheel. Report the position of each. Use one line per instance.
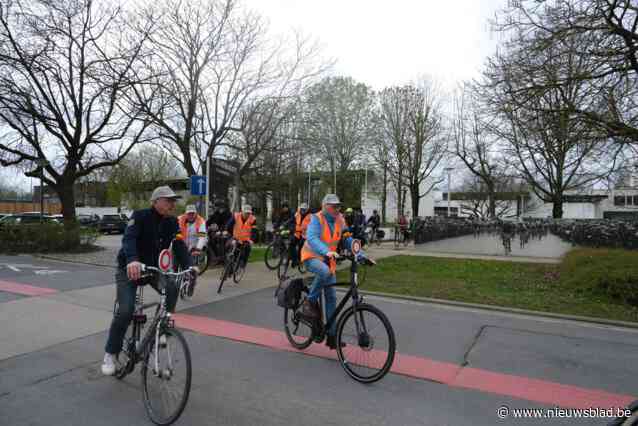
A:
(202, 261)
(369, 353)
(239, 268)
(282, 269)
(229, 264)
(272, 257)
(166, 378)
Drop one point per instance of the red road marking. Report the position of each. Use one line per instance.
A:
(542, 391)
(25, 289)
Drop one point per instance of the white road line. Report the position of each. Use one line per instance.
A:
(13, 268)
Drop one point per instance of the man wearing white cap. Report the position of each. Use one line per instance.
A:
(193, 228)
(241, 226)
(148, 232)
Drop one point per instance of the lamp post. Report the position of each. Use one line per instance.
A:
(42, 163)
(449, 178)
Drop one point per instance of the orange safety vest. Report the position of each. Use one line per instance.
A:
(331, 240)
(242, 230)
(183, 225)
(301, 225)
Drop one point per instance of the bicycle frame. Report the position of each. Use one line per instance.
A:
(352, 294)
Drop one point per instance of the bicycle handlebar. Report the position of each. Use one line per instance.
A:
(146, 268)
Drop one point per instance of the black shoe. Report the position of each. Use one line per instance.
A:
(331, 342)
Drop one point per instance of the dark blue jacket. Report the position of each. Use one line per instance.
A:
(146, 235)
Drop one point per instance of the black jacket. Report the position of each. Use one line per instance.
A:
(220, 219)
(148, 233)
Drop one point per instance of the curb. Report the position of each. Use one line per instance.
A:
(540, 314)
(77, 262)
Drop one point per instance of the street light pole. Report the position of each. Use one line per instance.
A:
(449, 185)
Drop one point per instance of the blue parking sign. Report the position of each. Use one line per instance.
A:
(198, 185)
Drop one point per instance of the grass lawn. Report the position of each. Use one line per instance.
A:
(591, 282)
(257, 254)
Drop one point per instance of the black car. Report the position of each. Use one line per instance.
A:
(89, 220)
(25, 219)
(112, 223)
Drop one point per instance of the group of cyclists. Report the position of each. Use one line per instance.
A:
(315, 237)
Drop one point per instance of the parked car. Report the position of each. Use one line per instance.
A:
(25, 219)
(112, 223)
(89, 220)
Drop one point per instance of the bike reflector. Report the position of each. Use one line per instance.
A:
(356, 246)
(165, 261)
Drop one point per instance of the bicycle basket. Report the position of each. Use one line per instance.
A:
(289, 294)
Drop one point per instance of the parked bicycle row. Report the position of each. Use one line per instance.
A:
(598, 233)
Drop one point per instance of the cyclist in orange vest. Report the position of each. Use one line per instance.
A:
(302, 220)
(323, 236)
(193, 229)
(241, 226)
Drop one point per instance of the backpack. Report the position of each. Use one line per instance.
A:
(289, 293)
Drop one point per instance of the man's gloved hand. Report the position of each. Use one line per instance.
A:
(134, 270)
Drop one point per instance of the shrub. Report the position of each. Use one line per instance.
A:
(47, 237)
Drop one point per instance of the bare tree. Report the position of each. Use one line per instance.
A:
(212, 59)
(413, 126)
(603, 34)
(65, 68)
(478, 148)
(337, 122)
(555, 150)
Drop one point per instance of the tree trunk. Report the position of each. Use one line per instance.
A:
(557, 210)
(414, 197)
(491, 197)
(66, 194)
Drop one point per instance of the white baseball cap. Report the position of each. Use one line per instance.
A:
(164, 192)
(246, 208)
(331, 199)
(191, 208)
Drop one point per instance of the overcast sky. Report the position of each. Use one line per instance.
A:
(382, 43)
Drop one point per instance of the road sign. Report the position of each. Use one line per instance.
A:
(198, 185)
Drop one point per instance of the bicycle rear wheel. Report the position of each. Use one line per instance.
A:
(272, 257)
(368, 355)
(239, 268)
(167, 385)
(299, 330)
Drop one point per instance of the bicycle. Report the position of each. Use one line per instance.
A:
(274, 251)
(154, 351)
(401, 237)
(373, 236)
(285, 261)
(353, 328)
(233, 265)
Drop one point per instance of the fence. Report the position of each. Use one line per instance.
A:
(24, 207)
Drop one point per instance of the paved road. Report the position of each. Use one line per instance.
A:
(50, 374)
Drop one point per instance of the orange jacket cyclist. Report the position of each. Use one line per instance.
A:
(193, 228)
(324, 233)
(241, 226)
(302, 220)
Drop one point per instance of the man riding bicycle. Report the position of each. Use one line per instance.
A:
(324, 234)
(148, 233)
(193, 229)
(241, 226)
(374, 222)
(302, 220)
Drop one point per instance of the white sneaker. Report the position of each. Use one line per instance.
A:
(108, 365)
(162, 341)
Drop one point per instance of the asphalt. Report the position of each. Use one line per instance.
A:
(51, 347)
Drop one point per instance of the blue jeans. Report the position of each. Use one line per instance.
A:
(323, 277)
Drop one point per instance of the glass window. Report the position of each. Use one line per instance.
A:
(619, 200)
